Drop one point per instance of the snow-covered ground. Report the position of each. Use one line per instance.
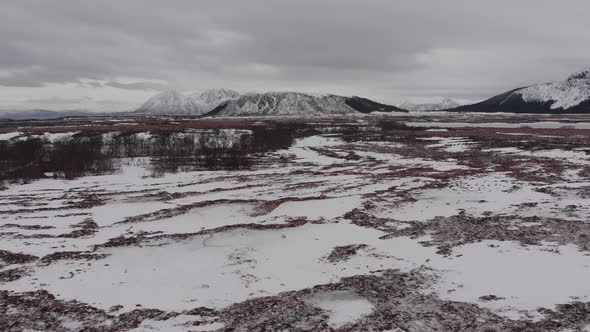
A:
(537, 125)
(373, 234)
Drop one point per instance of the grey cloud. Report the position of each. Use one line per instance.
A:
(58, 100)
(373, 45)
(91, 84)
(137, 85)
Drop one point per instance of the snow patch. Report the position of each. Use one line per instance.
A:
(343, 307)
(9, 136)
(526, 278)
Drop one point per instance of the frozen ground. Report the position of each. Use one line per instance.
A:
(383, 230)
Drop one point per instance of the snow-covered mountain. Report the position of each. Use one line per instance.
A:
(298, 104)
(569, 96)
(168, 102)
(208, 100)
(175, 103)
(444, 104)
(562, 95)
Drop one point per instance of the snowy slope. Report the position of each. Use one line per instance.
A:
(209, 99)
(168, 102)
(569, 96)
(562, 95)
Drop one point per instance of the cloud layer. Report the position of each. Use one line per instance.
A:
(118, 52)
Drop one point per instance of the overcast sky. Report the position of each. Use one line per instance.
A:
(112, 55)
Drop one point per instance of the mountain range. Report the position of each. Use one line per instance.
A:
(223, 102)
(571, 95)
